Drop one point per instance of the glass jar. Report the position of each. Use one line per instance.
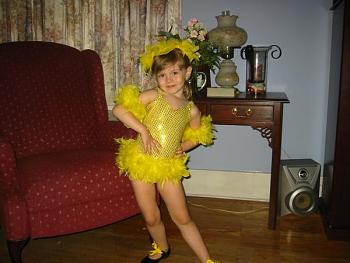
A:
(256, 67)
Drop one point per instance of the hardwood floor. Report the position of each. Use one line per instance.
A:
(230, 237)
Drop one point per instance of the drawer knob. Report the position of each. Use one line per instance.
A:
(246, 114)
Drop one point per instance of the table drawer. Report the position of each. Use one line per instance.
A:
(226, 113)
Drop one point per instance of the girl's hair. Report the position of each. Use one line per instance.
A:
(175, 56)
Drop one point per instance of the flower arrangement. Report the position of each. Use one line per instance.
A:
(197, 33)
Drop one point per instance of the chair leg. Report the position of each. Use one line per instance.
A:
(15, 249)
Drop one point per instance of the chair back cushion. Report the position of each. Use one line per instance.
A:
(46, 102)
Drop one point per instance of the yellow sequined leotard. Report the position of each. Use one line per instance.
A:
(169, 127)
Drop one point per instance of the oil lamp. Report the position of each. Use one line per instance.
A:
(226, 37)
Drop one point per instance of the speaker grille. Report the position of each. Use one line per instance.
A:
(299, 183)
(302, 201)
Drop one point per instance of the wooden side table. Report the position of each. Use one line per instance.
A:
(263, 113)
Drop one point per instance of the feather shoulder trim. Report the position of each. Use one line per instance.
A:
(128, 97)
(203, 135)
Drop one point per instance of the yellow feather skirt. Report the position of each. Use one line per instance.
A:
(137, 165)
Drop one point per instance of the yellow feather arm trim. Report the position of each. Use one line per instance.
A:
(203, 135)
(128, 97)
(144, 167)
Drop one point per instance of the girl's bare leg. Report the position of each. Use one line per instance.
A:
(175, 200)
(146, 198)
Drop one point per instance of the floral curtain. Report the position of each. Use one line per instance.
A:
(117, 29)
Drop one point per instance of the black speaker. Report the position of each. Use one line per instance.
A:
(299, 186)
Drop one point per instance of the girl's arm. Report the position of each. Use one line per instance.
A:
(128, 119)
(195, 123)
(199, 131)
(131, 121)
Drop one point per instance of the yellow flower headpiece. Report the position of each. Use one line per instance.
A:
(165, 46)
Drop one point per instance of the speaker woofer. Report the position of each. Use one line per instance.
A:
(302, 201)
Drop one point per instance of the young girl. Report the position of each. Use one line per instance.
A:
(168, 126)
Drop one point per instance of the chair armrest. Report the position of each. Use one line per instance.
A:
(7, 165)
(13, 214)
(13, 209)
(111, 130)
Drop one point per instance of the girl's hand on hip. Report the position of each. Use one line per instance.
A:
(150, 145)
(179, 151)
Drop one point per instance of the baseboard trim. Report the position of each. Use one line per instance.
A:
(228, 184)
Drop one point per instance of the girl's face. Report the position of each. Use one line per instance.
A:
(171, 79)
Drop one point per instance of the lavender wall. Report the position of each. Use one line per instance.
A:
(302, 30)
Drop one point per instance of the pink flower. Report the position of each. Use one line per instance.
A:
(192, 21)
(194, 34)
(203, 32)
(201, 37)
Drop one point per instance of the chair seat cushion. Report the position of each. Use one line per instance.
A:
(61, 179)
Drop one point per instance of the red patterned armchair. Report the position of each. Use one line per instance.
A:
(57, 172)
